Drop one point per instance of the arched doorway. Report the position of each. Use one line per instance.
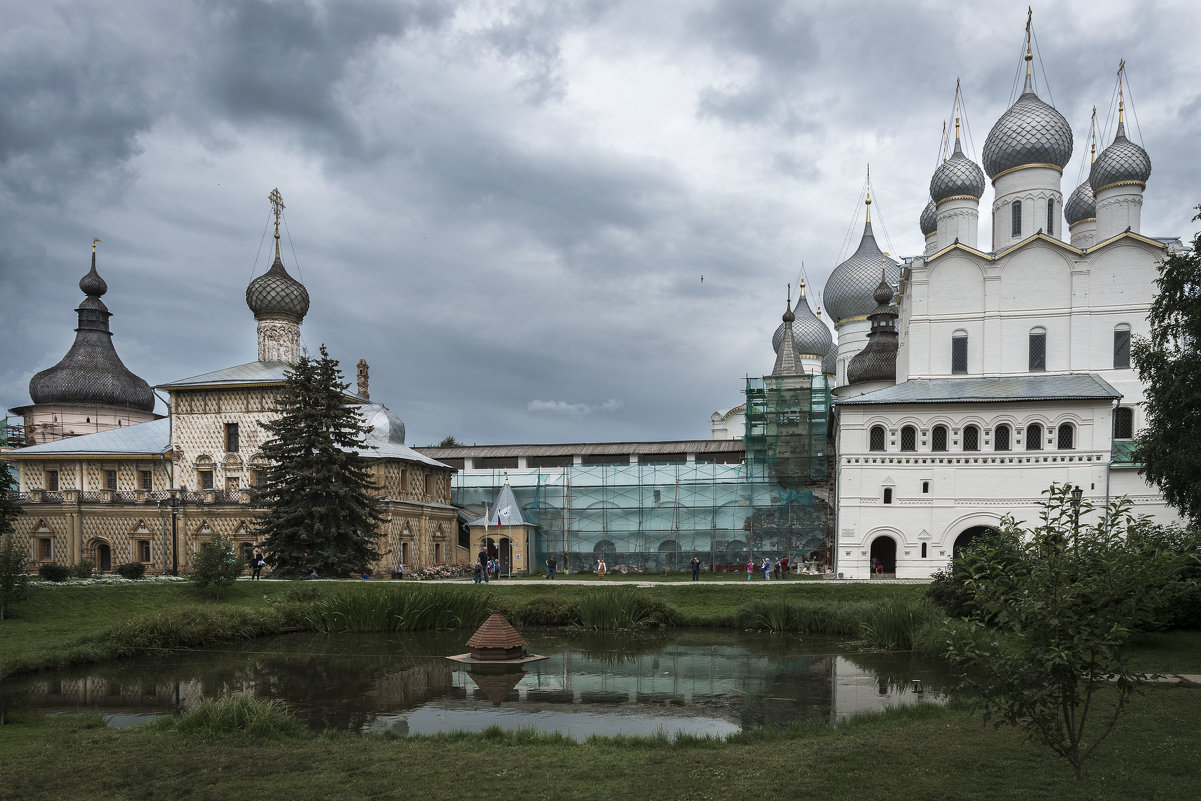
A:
(505, 554)
(104, 557)
(966, 537)
(884, 552)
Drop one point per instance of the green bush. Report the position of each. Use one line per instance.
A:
(85, 568)
(53, 571)
(131, 570)
(544, 611)
(243, 714)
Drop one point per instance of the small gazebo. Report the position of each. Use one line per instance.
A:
(496, 643)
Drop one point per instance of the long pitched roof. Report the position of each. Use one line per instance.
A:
(1006, 389)
(588, 448)
(151, 438)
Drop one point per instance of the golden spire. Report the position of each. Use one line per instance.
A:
(868, 203)
(1029, 55)
(95, 239)
(1121, 97)
(802, 288)
(277, 205)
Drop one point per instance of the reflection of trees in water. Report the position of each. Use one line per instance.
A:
(894, 671)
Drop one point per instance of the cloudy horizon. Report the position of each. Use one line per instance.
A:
(507, 208)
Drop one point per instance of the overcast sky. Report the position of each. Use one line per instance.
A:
(507, 207)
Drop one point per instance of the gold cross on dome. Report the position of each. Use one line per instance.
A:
(277, 205)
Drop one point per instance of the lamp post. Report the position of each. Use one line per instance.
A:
(1076, 495)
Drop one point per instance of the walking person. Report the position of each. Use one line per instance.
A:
(695, 564)
(765, 568)
(750, 568)
(600, 568)
(257, 563)
(784, 567)
(551, 564)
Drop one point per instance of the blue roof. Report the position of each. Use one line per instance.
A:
(1007, 389)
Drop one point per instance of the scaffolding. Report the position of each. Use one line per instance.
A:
(655, 516)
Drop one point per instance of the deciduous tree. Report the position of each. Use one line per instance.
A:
(1169, 365)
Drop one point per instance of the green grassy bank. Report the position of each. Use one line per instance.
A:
(911, 753)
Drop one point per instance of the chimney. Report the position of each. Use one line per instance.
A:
(362, 367)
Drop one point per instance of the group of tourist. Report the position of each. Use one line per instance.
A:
(485, 568)
(772, 568)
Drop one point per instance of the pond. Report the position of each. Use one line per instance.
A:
(697, 682)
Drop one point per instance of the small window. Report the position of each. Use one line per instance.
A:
(44, 550)
(938, 438)
(258, 477)
(1121, 348)
(1015, 224)
(143, 550)
(888, 494)
(877, 438)
(1038, 350)
(1051, 217)
(146, 480)
(925, 487)
(404, 482)
(231, 437)
(52, 480)
(1123, 423)
(1034, 437)
(959, 354)
(1064, 437)
(971, 438)
(429, 486)
(1001, 438)
(205, 479)
(110, 479)
(437, 553)
(923, 550)
(909, 438)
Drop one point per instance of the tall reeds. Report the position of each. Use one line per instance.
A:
(623, 609)
(243, 714)
(891, 622)
(398, 608)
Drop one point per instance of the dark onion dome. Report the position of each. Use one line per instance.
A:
(830, 362)
(277, 293)
(1123, 162)
(958, 176)
(92, 374)
(929, 219)
(810, 334)
(849, 288)
(878, 359)
(1031, 132)
(1081, 205)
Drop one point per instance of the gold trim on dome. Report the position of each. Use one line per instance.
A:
(850, 320)
(1081, 221)
(1120, 183)
(1055, 167)
(956, 197)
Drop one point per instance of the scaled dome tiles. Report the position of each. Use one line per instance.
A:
(958, 176)
(810, 334)
(1080, 205)
(849, 288)
(929, 219)
(277, 293)
(1121, 162)
(1030, 132)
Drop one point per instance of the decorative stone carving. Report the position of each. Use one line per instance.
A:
(279, 341)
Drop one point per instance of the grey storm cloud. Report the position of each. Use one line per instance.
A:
(506, 206)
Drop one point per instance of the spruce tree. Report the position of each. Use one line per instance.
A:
(14, 555)
(1169, 365)
(321, 511)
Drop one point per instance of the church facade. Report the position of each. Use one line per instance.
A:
(150, 492)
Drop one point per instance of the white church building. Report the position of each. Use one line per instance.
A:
(991, 373)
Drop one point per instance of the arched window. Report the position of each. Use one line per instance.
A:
(1034, 437)
(876, 442)
(938, 438)
(888, 494)
(1065, 436)
(1051, 217)
(1123, 423)
(971, 438)
(909, 438)
(1016, 221)
(959, 352)
(1121, 347)
(1038, 350)
(1001, 438)
(923, 550)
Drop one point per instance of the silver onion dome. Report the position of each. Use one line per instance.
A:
(1081, 205)
(277, 293)
(958, 176)
(849, 288)
(1122, 162)
(1029, 132)
(810, 334)
(384, 426)
(929, 219)
(830, 362)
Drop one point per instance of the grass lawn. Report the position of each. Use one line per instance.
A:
(913, 753)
